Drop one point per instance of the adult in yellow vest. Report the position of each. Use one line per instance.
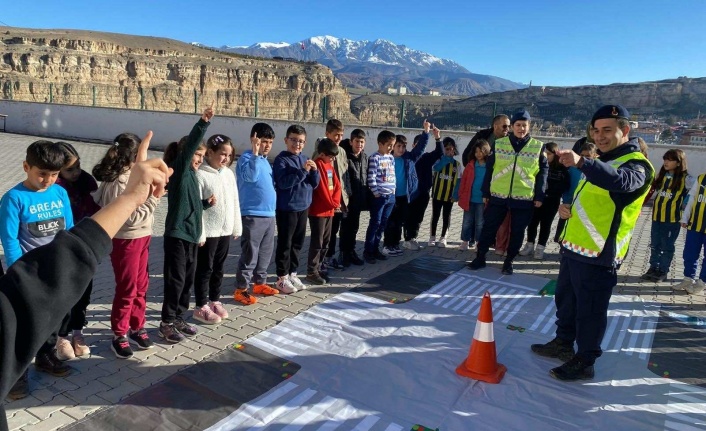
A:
(515, 178)
(595, 240)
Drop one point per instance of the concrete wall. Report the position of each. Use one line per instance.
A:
(85, 123)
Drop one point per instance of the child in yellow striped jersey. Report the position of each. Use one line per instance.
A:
(447, 176)
(670, 189)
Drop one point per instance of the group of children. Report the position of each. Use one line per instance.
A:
(208, 204)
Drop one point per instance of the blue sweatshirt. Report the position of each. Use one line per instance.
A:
(294, 185)
(256, 188)
(30, 219)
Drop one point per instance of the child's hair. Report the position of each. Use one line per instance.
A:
(484, 147)
(295, 129)
(589, 138)
(450, 142)
(175, 148)
(334, 125)
(401, 139)
(70, 151)
(589, 147)
(327, 147)
(263, 131)
(118, 158)
(218, 141)
(680, 172)
(644, 149)
(552, 147)
(46, 155)
(385, 136)
(357, 134)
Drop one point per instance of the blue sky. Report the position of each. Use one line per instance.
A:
(548, 42)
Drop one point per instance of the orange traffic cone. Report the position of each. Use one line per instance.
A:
(482, 363)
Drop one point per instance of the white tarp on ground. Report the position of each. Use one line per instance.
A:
(371, 365)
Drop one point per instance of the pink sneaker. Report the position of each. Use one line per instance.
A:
(218, 308)
(206, 315)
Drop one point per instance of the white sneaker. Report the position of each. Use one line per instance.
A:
(296, 282)
(527, 249)
(285, 286)
(685, 284)
(412, 244)
(463, 246)
(696, 288)
(539, 252)
(388, 251)
(500, 252)
(441, 243)
(432, 241)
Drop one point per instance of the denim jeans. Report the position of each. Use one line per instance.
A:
(379, 213)
(663, 235)
(472, 223)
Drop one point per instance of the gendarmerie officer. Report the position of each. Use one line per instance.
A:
(595, 240)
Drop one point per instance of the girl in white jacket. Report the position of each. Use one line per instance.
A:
(221, 221)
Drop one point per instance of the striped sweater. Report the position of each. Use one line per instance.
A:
(381, 174)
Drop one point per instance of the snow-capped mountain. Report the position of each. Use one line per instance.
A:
(381, 64)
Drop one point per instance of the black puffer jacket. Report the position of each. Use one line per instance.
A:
(360, 194)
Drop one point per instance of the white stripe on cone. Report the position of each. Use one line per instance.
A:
(484, 332)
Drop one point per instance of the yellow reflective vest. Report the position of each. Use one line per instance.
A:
(515, 173)
(593, 213)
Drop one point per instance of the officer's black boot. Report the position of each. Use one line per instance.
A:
(478, 262)
(575, 369)
(507, 267)
(557, 348)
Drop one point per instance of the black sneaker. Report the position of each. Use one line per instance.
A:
(477, 263)
(507, 267)
(183, 327)
(379, 256)
(369, 258)
(355, 259)
(21, 387)
(325, 276)
(659, 276)
(556, 348)
(648, 275)
(47, 362)
(141, 339)
(121, 347)
(345, 259)
(170, 333)
(335, 263)
(575, 369)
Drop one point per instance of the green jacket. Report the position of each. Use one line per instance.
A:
(185, 208)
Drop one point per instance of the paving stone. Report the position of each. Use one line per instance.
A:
(20, 419)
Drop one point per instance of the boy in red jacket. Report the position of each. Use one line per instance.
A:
(326, 200)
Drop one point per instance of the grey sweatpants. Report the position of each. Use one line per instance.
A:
(257, 245)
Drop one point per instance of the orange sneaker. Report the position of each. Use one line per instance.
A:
(242, 296)
(263, 289)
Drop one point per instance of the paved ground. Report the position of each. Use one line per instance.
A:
(102, 380)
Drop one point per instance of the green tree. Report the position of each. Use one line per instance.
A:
(666, 135)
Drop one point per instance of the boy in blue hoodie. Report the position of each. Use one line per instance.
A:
(296, 176)
(406, 189)
(32, 214)
(256, 192)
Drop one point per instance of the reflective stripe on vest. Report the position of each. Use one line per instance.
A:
(514, 173)
(593, 212)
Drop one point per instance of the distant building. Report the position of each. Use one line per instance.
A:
(649, 135)
(402, 90)
(693, 137)
(432, 93)
(391, 91)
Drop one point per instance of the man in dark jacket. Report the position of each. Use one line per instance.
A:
(598, 230)
(42, 286)
(500, 129)
(358, 198)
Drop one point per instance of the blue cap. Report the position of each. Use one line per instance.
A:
(610, 111)
(522, 114)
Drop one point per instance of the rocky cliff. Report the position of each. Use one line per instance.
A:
(137, 72)
(682, 98)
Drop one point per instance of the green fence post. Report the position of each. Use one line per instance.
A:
(196, 102)
(402, 113)
(51, 93)
(495, 110)
(10, 91)
(324, 109)
(257, 109)
(94, 95)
